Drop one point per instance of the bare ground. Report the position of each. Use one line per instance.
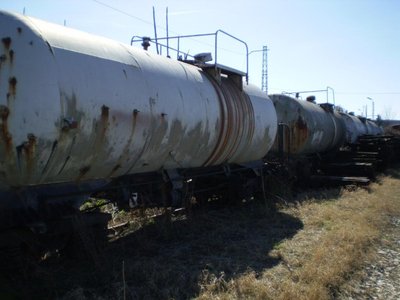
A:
(380, 277)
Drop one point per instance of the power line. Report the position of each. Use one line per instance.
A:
(160, 27)
(350, 93)
(368, 93)
(122, 12)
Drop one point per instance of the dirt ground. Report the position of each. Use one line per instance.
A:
(379, 278)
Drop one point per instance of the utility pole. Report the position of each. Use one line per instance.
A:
(373, 107)
(264, 74)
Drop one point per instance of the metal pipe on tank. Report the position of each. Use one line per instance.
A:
(155, 29)
(333, 94)
(166, 17)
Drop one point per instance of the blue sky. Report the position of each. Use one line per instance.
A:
(351, 46)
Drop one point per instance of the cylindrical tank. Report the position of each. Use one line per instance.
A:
(372, 128)
(307, 127)
(76, 107)
(355, 127)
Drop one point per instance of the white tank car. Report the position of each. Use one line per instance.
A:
(77, 107)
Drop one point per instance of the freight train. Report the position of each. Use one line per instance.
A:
(82, 114)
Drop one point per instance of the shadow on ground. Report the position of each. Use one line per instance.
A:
(164, 259)
(394, 171)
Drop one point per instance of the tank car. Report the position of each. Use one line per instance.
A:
(78, 111)
(306, 127)
(355, 127)
(373, 128)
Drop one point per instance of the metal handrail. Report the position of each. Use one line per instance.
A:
(157, 40)
(328, 88)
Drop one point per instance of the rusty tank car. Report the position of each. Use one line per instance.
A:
(306, 127)
(78, 111)
(318, 143)
(373, 128)
(357, 126)
(82, 114)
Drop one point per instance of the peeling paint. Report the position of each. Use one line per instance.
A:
(11, 54)
(82, 172)
(102, 126)
(299, 134)
(27, 151)
(6, 42)
(5, 135)
(12, 86)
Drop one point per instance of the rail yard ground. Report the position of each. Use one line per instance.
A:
(326, 244)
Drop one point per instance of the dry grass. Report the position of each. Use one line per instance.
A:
(336, 240)
(306, 249)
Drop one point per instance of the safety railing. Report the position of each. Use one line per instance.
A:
(164, 43)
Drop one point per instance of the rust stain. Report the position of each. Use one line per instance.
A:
(105, 110)
(105, 113)
(6, 42)
(12, 86)
(29, 148)
(223, 116)
(115, 168)
(235, 114)
(300, 123)
(5, 135)
(11, 54)
(299, 134)
(82, 172)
